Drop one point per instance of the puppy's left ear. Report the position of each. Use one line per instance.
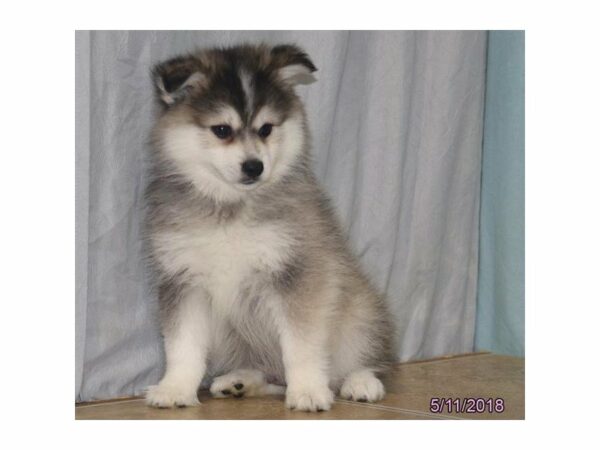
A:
(292, 64)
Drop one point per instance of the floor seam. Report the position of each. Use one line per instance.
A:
(109, 402)
(396, 409)
(442, 359)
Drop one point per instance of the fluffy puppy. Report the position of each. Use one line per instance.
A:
(258, 291)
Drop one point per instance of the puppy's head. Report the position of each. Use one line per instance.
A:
(231, 121)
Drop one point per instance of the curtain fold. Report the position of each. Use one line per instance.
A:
(396, 120)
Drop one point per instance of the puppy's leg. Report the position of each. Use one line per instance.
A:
(362, 386)
(243, 382)
(186, 338)
(302, 325)
(306, 371)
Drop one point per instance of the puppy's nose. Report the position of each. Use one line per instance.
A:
(252, 168)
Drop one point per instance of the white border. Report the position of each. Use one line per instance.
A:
(37, 226)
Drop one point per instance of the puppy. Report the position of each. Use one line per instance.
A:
(258, 291)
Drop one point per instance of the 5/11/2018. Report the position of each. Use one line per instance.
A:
(470, 405)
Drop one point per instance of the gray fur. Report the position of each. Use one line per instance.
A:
(319, 260)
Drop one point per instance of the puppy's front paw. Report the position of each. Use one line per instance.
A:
(309, 397)
(169, 396)
(362, 386)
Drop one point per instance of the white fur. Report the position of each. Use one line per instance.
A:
(226, 115)
(221, 258)
(362, 385)
(214, 166)
(306, 368)
(265, 115)
(186, 348)
(246, 80)
(296, 74)
(309, 396)
(165, 395)
(253, 384)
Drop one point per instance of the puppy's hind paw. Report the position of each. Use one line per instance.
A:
(243, 382)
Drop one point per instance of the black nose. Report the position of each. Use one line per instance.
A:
(253, 168)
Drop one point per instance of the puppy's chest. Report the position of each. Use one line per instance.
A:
(224, 258)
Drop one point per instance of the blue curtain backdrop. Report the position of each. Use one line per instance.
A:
(500, 325)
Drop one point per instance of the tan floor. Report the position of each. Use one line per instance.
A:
(410, 389)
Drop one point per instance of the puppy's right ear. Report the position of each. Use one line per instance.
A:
(177, 78)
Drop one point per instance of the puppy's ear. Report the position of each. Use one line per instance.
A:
(177, 78)
(292, 65)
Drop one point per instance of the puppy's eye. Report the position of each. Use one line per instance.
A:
(222, 131)
(265, 130)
